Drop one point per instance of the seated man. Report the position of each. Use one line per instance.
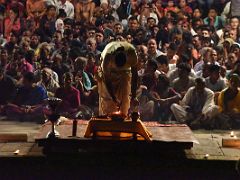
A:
(163, 65)
(28, 103)
(174, 72)
(229, 105)
(215, 82)
(184, 80)
(197, 106)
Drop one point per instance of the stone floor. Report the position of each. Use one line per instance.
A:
(210, 147)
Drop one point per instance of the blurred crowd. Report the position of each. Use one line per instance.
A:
(188, 57)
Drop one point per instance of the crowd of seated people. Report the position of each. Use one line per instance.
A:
(188, 57)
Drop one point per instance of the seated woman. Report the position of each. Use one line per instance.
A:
(229, 105)
(28, 103)
(70, 96)
(47, 82)
(82, 81)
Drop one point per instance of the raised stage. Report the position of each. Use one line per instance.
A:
(172, 137)
(31, 163)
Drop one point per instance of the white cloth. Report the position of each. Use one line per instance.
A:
(226, 11)
(59, 25)
(51, 2)
(68, 8)
(115, 3)
(193, 32)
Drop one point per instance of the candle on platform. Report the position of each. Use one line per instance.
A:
(232, 134)
(206, 156)
(16, 152)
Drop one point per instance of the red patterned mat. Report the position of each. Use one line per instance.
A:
(147, 123)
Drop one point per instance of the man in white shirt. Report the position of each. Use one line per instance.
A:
(197, 107)
(173, 74)
(184, 81)
(67, 7)
(214, 81)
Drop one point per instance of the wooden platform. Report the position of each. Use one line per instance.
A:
(174, 137)
(210, 143)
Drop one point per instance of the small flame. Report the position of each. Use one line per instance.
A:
(117, 112)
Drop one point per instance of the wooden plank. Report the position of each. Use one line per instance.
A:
(231, 142)
(13, 137)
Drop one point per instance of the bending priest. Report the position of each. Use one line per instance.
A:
(117, 78)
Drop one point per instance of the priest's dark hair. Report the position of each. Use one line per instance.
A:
(120, 57)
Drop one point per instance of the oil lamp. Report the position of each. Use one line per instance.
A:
(53, 116)
(117, 116)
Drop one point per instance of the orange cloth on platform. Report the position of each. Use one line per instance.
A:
(125, 129)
